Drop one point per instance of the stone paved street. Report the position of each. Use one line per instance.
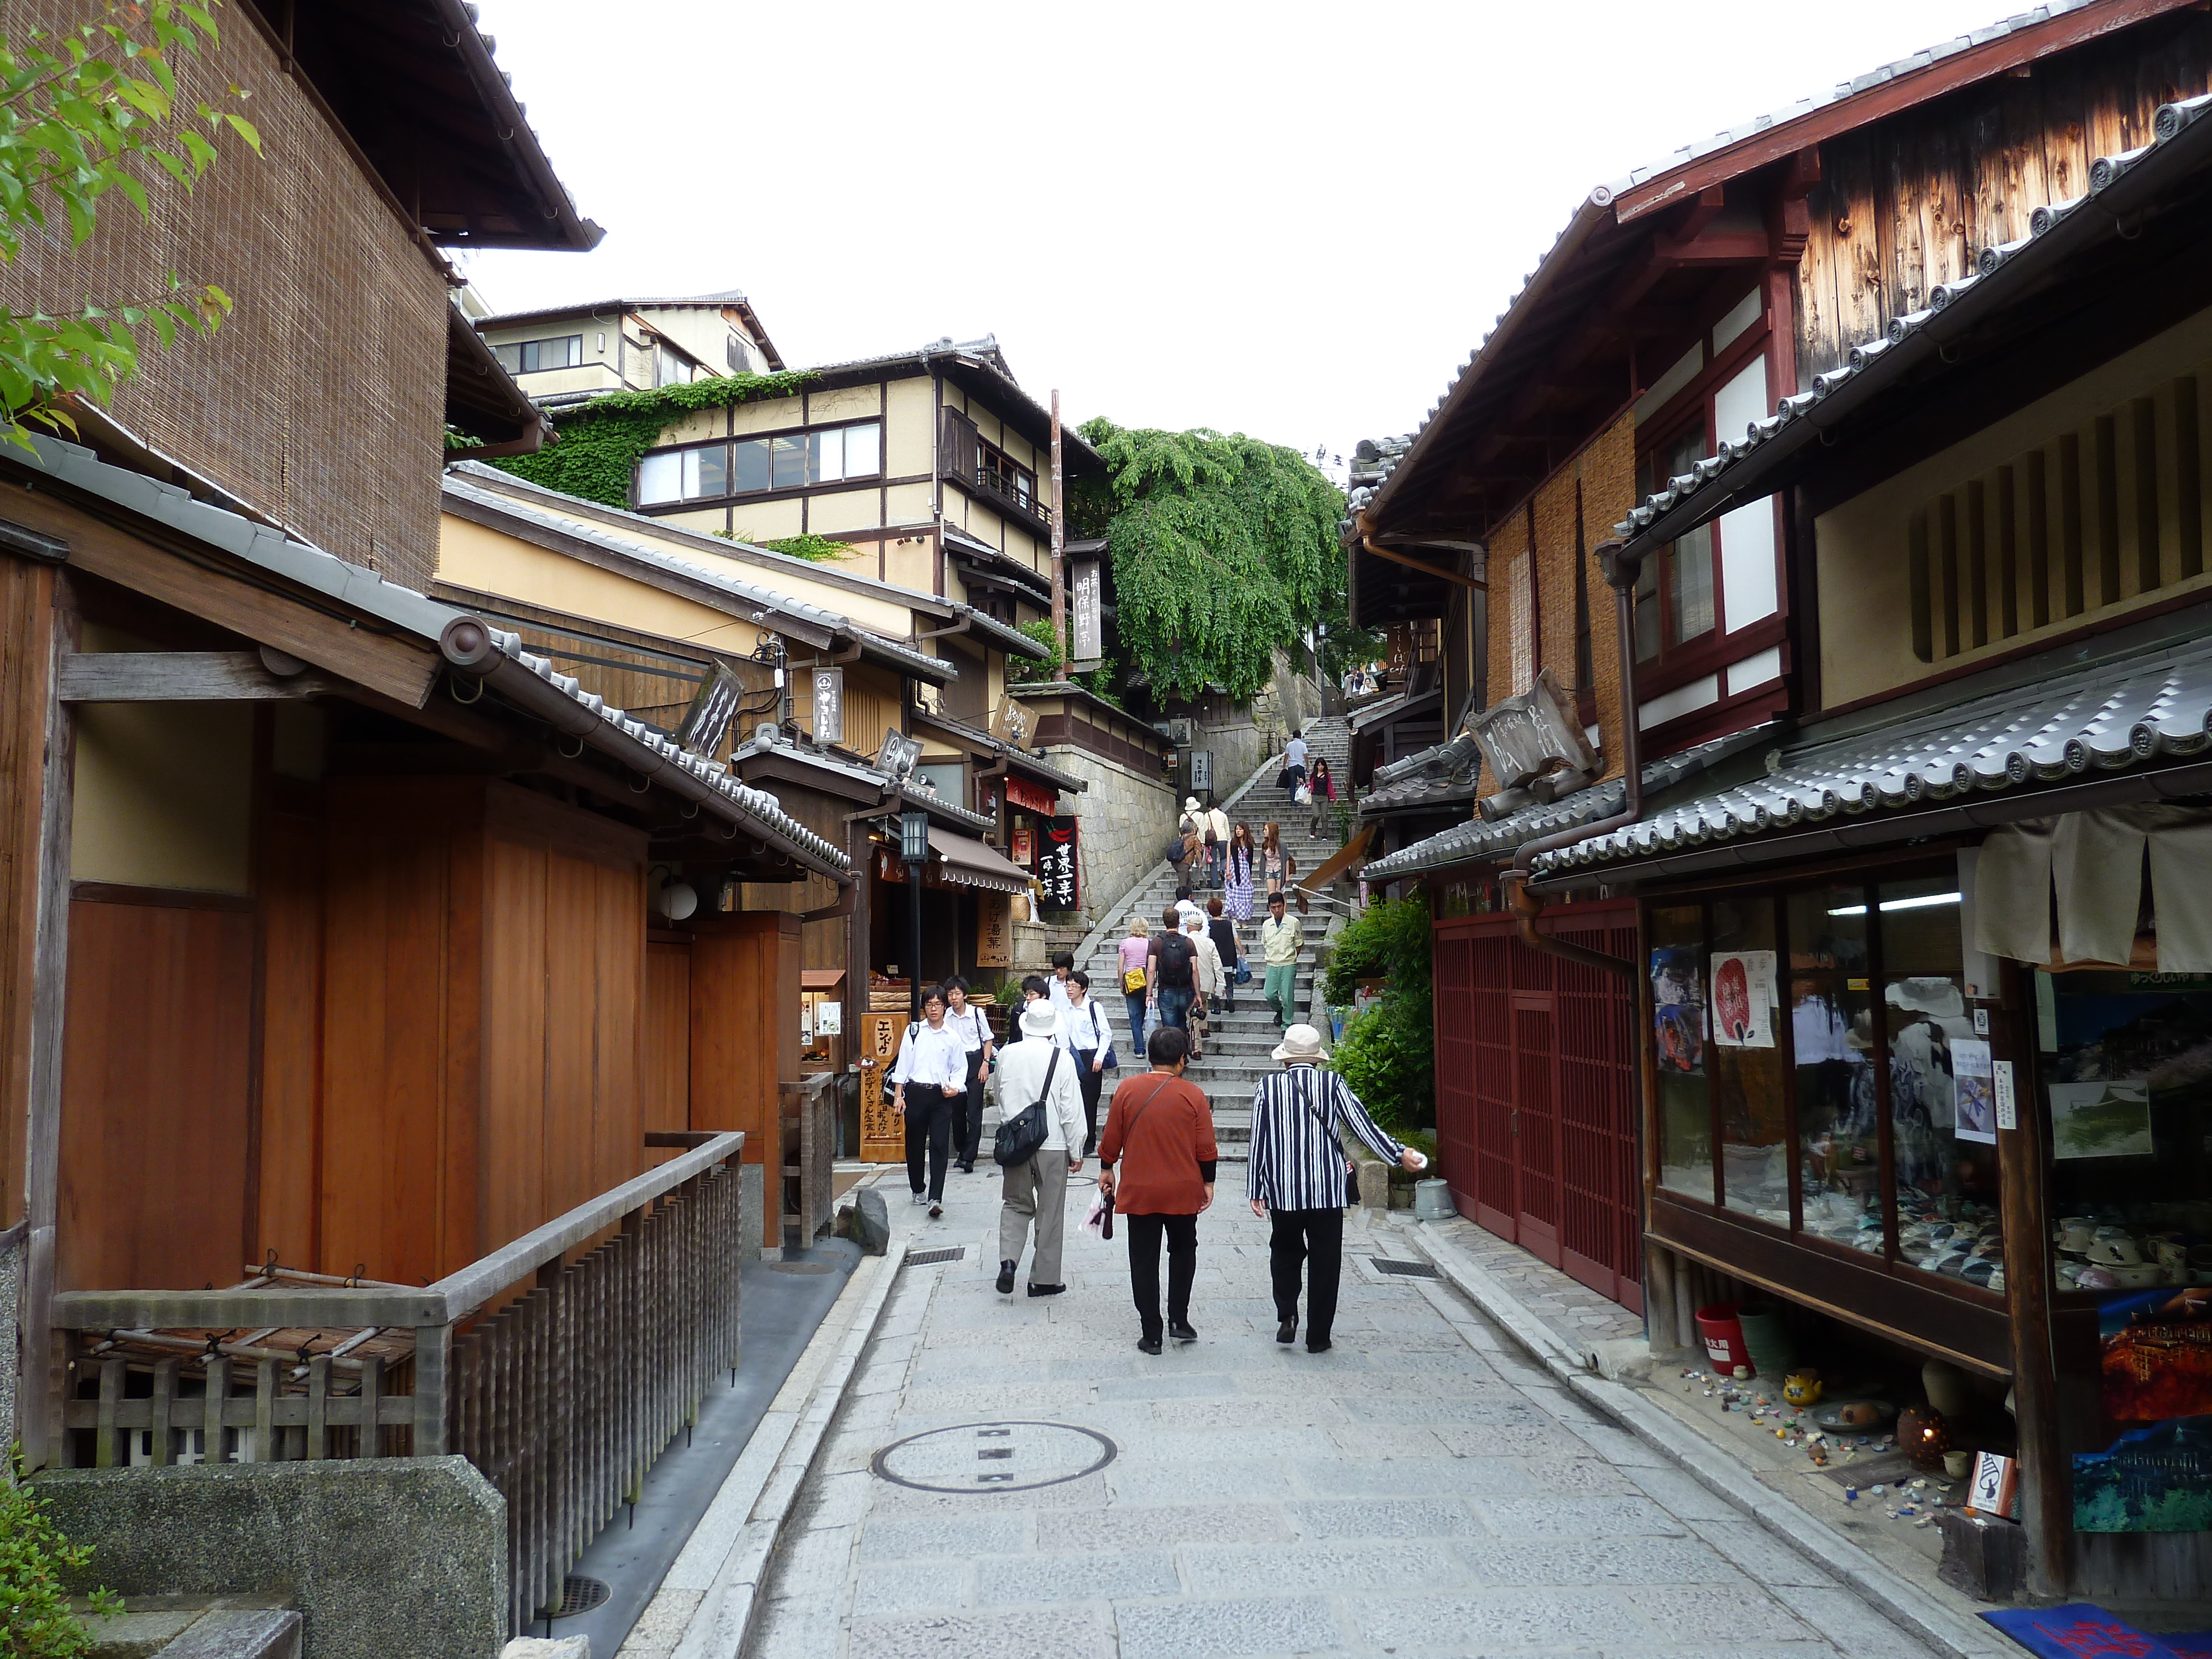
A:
(1421, 1489)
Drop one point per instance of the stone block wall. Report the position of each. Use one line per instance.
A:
(12, 1249)
(1126, 819)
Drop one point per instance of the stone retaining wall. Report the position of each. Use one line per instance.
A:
(12, 1249)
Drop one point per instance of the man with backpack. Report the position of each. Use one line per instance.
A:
(1173, 970)
(1036, 1076)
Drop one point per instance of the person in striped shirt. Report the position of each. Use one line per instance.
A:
(1298, 1179)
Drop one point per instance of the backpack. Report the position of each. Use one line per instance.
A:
(1178, 959)
(1018, 1139)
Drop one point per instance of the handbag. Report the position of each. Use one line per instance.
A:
(1133, 980)
(1244, 971)
(1016, 1141)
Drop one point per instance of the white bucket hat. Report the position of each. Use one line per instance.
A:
(1190, 802)
(1299, 1042)
(1041, 1019)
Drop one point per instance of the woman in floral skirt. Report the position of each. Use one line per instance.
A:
(1236, 889)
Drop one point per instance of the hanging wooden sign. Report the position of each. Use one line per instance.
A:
(994, 930)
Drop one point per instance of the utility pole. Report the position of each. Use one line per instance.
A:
(1059, 551)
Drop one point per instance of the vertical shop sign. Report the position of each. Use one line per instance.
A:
(829, 705)
(1057, 865)
(994, 930)
(1089, 642)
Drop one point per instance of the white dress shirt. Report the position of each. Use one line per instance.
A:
(1209, 961)
(1055, 990)
(931, 1054)
(1087, 1027)
(974, 1026)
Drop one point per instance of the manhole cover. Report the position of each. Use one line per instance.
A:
(1403, 1269)
(799, 1267)
(995, 1457)
(923, 1258)
(580, 1595)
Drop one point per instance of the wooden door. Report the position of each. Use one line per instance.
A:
(1456, 1066)
(1535, 1125)
(1600, 1227)
(1489, 1016)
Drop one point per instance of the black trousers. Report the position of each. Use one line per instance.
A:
(1089, 1082)
(929, 1111)
(968, 1137)
(1146, 1232)
(1313, 1240)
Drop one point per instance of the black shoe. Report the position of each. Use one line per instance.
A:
(1288, 1331)
(1046, 1290)
(1006, 1278)
(935, 1209)
(1149, 1344)
(1317, 1347)
(1180, 1330)
(967, 1169)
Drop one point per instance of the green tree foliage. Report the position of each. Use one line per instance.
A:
(82, 113)
(602, 441)
(815, 550)
(1028, 670)
(35, 1620)
(1389, 1053)
(1224, 550)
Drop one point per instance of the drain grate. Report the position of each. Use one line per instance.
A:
(923, 1258)
(581, 1595)
(1403, 1269)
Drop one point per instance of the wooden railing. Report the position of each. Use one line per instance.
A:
(563, 1393)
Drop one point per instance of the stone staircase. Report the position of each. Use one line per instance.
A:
(1239, 1045)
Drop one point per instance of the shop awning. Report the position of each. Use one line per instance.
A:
(971, 863)
(2133, 728)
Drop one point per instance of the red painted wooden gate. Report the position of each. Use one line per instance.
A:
(1536, 1104)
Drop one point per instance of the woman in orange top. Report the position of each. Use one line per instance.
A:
(1160, 1129)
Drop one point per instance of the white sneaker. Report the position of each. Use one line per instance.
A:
(922, 1198)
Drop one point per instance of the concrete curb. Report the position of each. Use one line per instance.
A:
(1900, 1601)
(720, 1572)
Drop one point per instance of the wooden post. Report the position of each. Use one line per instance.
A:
(434, 1346)
(2045, 1489)
(39, 1401)
(1059, 558)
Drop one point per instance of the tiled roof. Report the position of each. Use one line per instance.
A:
(984, 740)
(1596, 208)
(2001, 273)
(1373, 460)
(2115, 716)
(861, 772)
(728, 296)
(403, 608)
(1497, 838)
(1438, 776)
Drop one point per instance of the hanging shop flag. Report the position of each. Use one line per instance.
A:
(1056, 865)
(1974, 1091)
(1743, 999)
(1030, 797)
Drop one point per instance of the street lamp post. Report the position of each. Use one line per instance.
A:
(913, 851)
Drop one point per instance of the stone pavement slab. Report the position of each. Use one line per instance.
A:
(1419, 1490)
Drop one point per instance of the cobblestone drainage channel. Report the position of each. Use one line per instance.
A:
(995, 1457)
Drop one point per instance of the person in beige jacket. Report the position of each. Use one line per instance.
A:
(1210, 977)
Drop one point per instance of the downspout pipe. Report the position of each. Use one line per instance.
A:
(1621, 568)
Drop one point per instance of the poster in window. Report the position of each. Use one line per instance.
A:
(1678, 1009)
(1057, 865)
(1974, 1089)
(2154, 1359)
(1743, 1000)
(2109, 1118)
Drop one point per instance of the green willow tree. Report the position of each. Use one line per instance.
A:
(1224, 551)
(83, 112)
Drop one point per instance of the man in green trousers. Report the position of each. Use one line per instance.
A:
(1280, 936)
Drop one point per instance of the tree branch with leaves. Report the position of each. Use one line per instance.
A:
(82, 114)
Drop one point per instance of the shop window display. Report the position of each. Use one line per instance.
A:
(1943, 1149)
(1678, 1013)
(1832, 1033)
(1747, 1060)
(2126, 1069)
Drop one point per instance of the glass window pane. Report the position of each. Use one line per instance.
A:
(825, 457)
(573, 353)
(510, 357)
(1832, 1031)
(1948, 1195)
(863, 451)
(705, 472)
(1690, 566)
(750, 470)
(1678, 1014)
(1920, 926)
(788, 461)
(2130, 1094)
(1743, 986)
(661, 479)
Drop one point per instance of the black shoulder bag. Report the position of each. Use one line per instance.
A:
(1018, 1138)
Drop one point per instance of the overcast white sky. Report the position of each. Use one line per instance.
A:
(1290, 220)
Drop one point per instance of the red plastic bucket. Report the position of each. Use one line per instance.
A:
(1723, 1337)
